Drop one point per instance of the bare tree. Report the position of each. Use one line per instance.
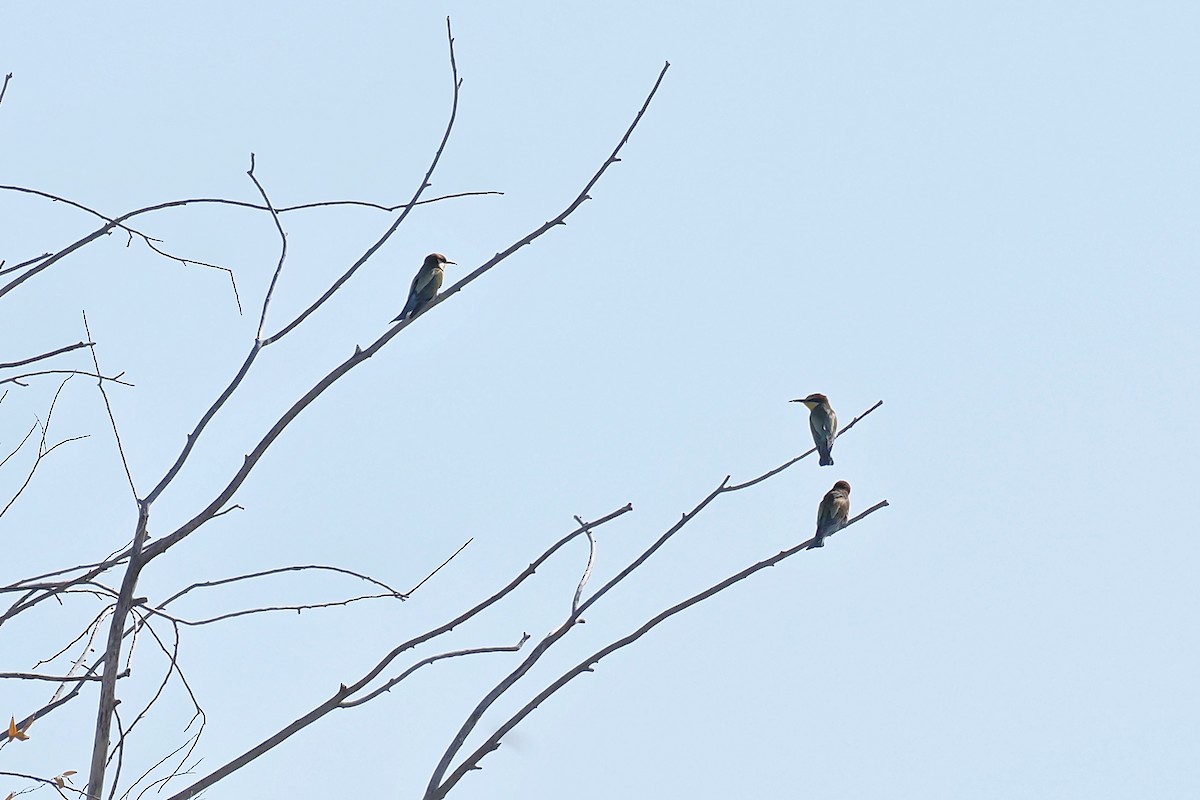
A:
(115, 618)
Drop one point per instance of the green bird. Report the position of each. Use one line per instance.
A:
(832, 513)
(823, 423)
(425, 285)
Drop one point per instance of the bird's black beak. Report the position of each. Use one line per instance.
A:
(796, 401)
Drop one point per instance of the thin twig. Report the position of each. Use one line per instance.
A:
(438, 569)
(805, 454)
(387, 687)
(4, 88)
(32, 676)
(43, 451)
(260, 342)
(24, 264)
(262, 320)
(51, 354)
(17, 449)
(18, 378)
(48, 781)
(186, 261)
(192, 742)
(277, 571)
(108, 407)
(267, 609)
(119, 752)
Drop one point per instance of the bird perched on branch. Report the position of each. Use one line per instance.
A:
(425, 285)
(832, 513)
(823, 423)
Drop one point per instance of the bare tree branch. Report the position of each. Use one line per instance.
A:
(4, 88)
(559, 220)
(279, 570)
(438, 569)
(245, 612)
(439, 790)
(262, 320)
(387, 687)
(17, 379)
(51, 354)
(344, 691)
(108, 407)
(237, 298)
(360, 355)
(51, 782)
(587, 570)
(23, 264)
(42, 451)
(21, 444)
(31, 676)
(436, 787)
(805, 454)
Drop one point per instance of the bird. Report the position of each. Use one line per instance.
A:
(823, 423)
(832, 513)
(425, 285)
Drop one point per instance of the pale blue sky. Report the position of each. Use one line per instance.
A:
(983, 214)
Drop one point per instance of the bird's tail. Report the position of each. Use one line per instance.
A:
(826, 460)
(405, 313)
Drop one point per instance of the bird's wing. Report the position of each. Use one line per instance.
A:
(822, 426)
(843, 509)
(419, 281)
(824, 512)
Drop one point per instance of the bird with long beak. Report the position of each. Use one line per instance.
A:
(832, 513)
(425, 285)
(823, 423)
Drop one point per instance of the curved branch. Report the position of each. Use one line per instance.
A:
(277, 571)
(262, 320)
(387, 687)
(51, 354)
(587, 570)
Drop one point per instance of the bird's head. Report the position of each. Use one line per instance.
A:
(843, 485)
(436, 260)
(813, 400)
